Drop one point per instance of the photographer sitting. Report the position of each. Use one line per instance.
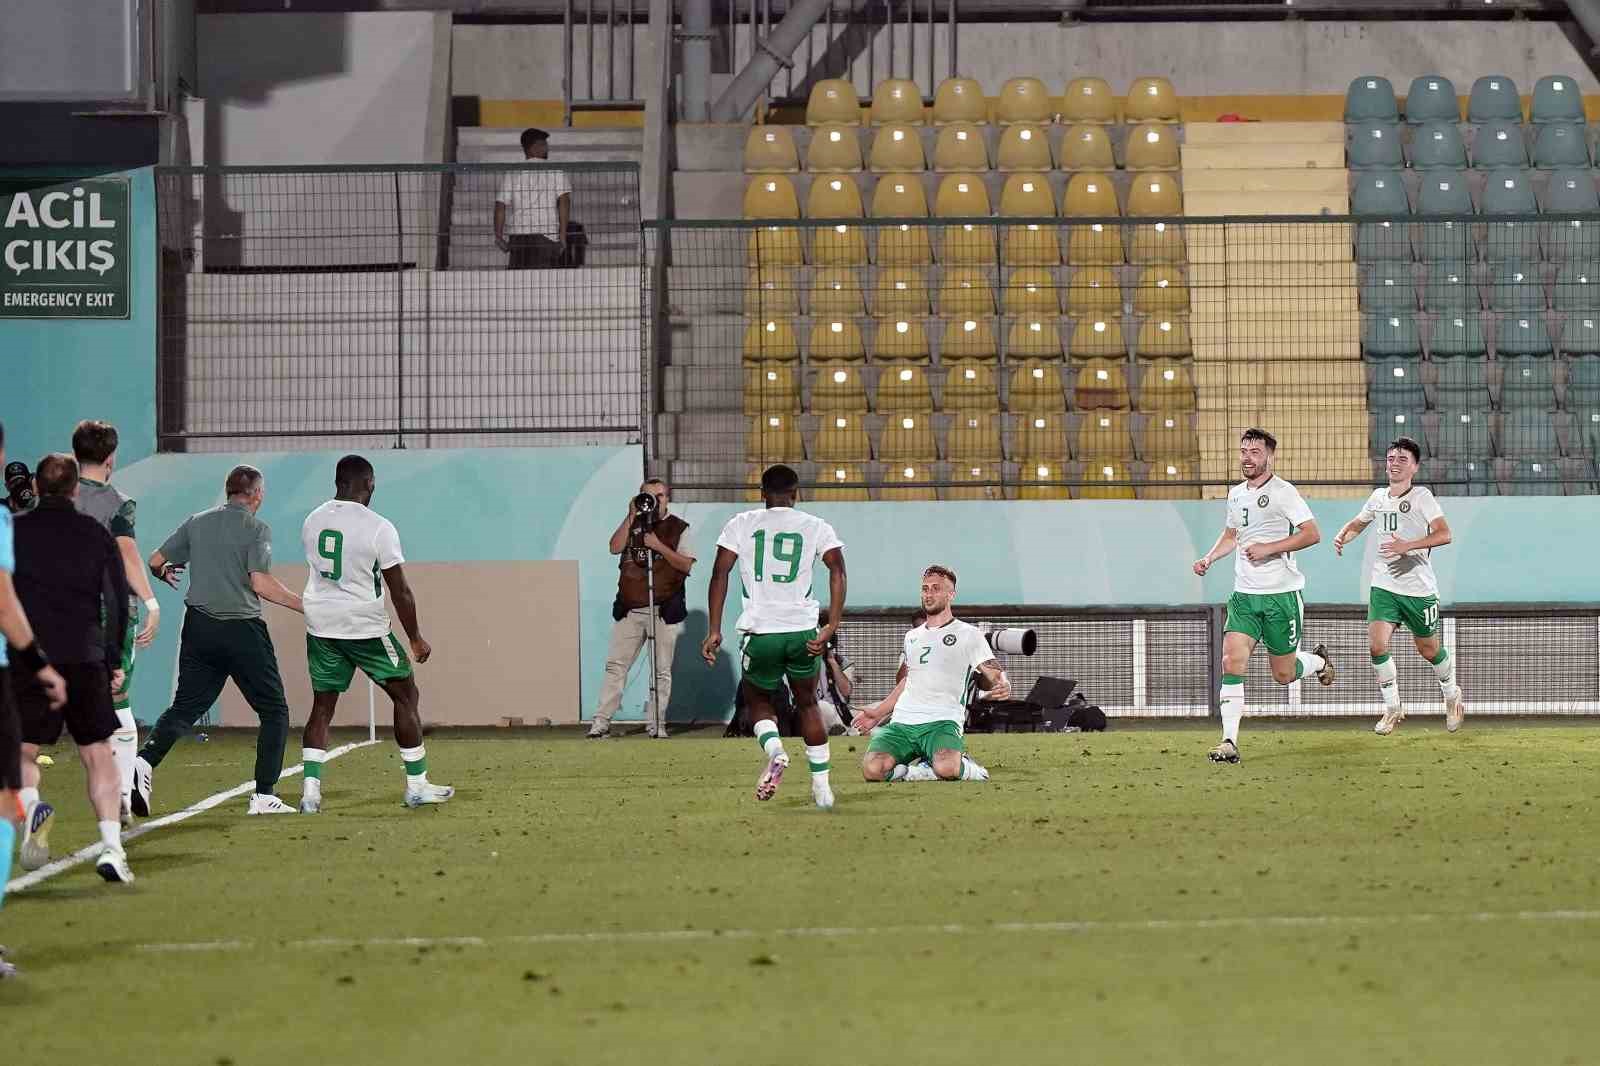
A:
(837, 682)
(648, 535)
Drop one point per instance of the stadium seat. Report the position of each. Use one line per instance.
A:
(1580, 333)
(1035, 387)
(1105, 479)
(897, 149)
(896, 100)
(1459, 478)
(1094, 290)
(1097, 338)
(1032, 471)
(904, 245)
(1023, 147)
(770, 150)
(1462, 383)
(1163, 338)
(1528, 435)
(964, 196)
(1163, 482)
(1384, 336)
(908, 435)
(1156, 195)
(1029, 195)
(1023, 100)
(1170, 433)
(1494, 96)
(1438, 146)
(773, 387)
(771, 196)
(1432, 98)
(1089, 100)
(1166, 385)
(1578, 287)
(840, 483)
(1529, 477)
(974, 435)
(833, 100)
(974, 481)
(1032, 290)
(772, 437)
(770, 292)
(842, 437)
(901, 339)
(964, 292)
(1161, 290)
(1571, 191)
(1086, 147)
(838, 388)
(1499, 144)
(1450, 288)
(1583, 380)
(960, 148)
(774, 246)
(969, 386)
(903, 387)
(1151, 100)
(899, 292)
(1385, 425)
(1033, 337)
(1510, 192)
(1098, 243)
(770, 340)
(1516, 287)
(1152, 146)
(839, 245)
(1387, 286)
(901, 196)
(1042, 434)
(969, 338)
(1374, 145)
(959, 100)
(1101, 385)
(900, 481)
(1557, 98)
(836, 339)
(1445, 193)
(1587, 432)
(1528, 382)
(837, 291)
(1397, 384)
(1462, 435)
(834, 150)
(836, 196)
(1381, 192)
(1561, 144)
(1104, 434)
(1456, 335)
(1370, 98)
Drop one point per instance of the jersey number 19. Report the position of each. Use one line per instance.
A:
(786, 548)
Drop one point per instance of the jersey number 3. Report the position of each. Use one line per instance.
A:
(786, 548)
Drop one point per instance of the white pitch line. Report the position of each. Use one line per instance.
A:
(83, 855)
(956, 928)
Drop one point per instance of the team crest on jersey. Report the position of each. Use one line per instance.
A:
(950, 640)
(1263, 500)
(1405, 506)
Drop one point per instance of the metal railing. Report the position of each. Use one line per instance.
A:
(599, 57)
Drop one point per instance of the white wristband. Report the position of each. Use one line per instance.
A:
(152, 606)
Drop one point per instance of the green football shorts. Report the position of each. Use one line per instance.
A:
(909, 742)
(333, 662)
(1420, 614)
(121, 701)
(767, 658)
(1270, 618)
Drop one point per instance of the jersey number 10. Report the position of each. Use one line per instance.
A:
(786, 548)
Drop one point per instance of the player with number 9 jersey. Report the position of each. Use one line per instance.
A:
(347, 547)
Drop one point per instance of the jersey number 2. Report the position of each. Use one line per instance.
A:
(330, 545)
(786, 548)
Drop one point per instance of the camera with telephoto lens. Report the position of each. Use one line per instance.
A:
(646, 513)
(1012, 641)
(19, 488)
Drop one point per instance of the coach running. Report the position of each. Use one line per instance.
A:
(228, 553)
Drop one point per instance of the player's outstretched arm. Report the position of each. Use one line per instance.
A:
(992, 680)
(833, 559)
(1349, 532)
(715, 598)
(405, 605)
(1222, 547)
(272, 590)
(139, 581)
(869, 718)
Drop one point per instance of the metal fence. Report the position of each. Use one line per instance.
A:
(334, 306)
(1118, 356)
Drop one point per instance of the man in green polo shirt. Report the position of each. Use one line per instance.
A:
(227, 552)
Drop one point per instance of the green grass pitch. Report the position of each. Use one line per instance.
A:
(1336, 898)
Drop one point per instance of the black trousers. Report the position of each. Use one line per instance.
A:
(10, 738)
(212, 652)
(533, 251)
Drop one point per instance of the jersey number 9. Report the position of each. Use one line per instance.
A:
(330, 545)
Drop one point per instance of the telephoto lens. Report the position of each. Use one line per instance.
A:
(1013, 641)
(644, 503)
(19, 486)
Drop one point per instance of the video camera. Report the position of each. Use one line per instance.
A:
(646, 513)
(1012, 641)
(19, 488)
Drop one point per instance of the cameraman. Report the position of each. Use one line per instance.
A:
(645, 534)
(836, 684)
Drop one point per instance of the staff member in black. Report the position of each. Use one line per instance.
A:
(69, 571)
(228, 553)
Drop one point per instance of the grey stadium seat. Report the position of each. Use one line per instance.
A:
(1373, 145)
(1516, 286)
(1450, 288)
(1499, 144)
(1571, 191)
(1383, 336)
(1463, 435)
(1387, 286)
(1494, 97)
(1432, 98)
(1445, 193)
(1370, 97)
(1438, 146)
(1557, 98)
(1561, 144)
(1383, 193)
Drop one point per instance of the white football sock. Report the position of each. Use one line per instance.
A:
(766, 732)
(1309, 664)
(817, 760)
(111, 834)
(1445, 670)
(1232, 709)
(971, 771)
(125, 749)
(29, 797)
(1388, 681)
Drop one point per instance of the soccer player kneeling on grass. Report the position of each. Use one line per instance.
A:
(776, 548)
(927, 709)
(1404, 588)
(353, 552)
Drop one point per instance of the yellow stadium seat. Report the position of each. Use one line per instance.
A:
(752, 478)
(1152, 146)
(1094, 291)
(964, 292)
(774, 246)
(959, 100)
(974, 435)
(1023, 148)
(836, 339)
(964, 196)
(1171, 433)
(961, 148)
(969, 386)
(1100, 481)
(1027, 196)
(1151, 100)
(904, 245)
(842, 438)
(1033, 337)
(908, 435)
(770, 340)
(833, 100)
(1023, 100)
(1155, 195)
(1089, 100)
(1097, 338)
(770, 150)
(838, 387)
(1032, 291)
(1091, 195)
(1163, 472)
(1032, 471)
(968, 244)
(840, 483)
(1162, 291)
(969, 338)
(896, 100)
(1163, 338)
(904, 387)
(839, 245)
(835, 196)
(834, 149)
(1166, 385)
(770, 196)
(974, 481)
(900, 291)
(1102, 385)
(772, 437)
(1160, 242)
(1086, 147)
(769, 292)
(771, 388)
(902, 340)
(1104, 435)
(901, 196)
(897, 149)
(835, 291)
(1042, 434)
(896, 476)
(1036, 387)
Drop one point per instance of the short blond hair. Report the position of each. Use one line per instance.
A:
(941, 571)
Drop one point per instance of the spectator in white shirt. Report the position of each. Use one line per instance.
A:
(531, 209)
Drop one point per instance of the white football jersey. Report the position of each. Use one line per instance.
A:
(347, 547)
(778, 549)
(939, 665)
(1407, 517)
(1269, 512)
